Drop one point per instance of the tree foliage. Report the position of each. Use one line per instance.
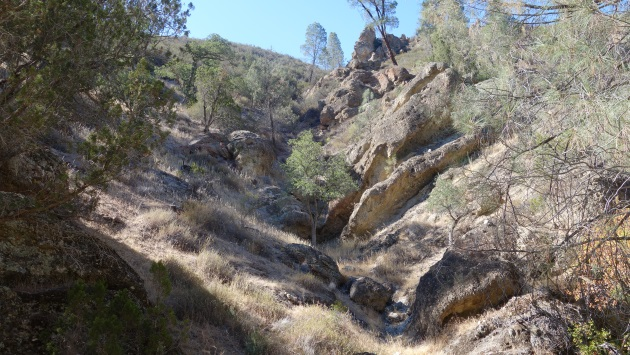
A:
(555, 100)
(314, 45)
(65, 63)
(315, 177)
(379, 14)
(216, 88)
(334, 56)
(271, 89)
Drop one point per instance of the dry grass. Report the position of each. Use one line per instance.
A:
(222, 261)
(215, 266)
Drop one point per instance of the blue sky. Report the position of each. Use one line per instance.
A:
(281, 24)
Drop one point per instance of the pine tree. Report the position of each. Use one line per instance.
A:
(334, 53)
(314, 45)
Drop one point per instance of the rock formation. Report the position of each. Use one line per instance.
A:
(212, 143)
(343, 103)
(370, 293)
(460, 285)
(252, 153)
(382, 201)
(369, 51)
(40, 259)
(312, 261)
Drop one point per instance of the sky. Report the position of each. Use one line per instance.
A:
(280, 25)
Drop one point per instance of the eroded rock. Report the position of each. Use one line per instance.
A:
(529, 324)
(370, 293)
(422, 119)
(212, 143)
(313, 261)
(382, 201)
(253, 154)
(460, 285)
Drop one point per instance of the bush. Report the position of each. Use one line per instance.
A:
(100, 321)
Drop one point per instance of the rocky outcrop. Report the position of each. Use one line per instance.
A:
(529, 324)
(418, 121)
(365, 45)
(382, 201)
(34, 172)
(253, 154)
(285, 211)
(418, 118)
(344, 102)
(40, 261)
(213, 144)
(370, 293)
(460, 285)
(311, 260)
(369, 51)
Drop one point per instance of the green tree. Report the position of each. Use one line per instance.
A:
(270, 88)
(445, 25)
(380, 14)
(314, 45)
(81, 62)
(315, 177)
(334, 54)
(197, 54)
(215, 90)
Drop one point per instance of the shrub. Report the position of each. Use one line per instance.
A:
(100, 321)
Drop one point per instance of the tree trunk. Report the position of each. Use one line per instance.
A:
(313, 231)
(273, 129)
(392, 56)
(310, 76)
(206, 123)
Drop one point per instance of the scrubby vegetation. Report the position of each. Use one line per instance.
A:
(199, 162)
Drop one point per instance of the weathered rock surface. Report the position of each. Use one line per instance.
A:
(364, 46)
(460, 285)
(34, 172)
(343, 103)
(285, 211)
(313, 261)
(212, 143)
(368, 292)
(382, 201)
(529, 324)
(253, 154)
(40, 260)
(370, 51)
(418, 121)
(419, 117)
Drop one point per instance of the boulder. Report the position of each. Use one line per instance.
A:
(398, 75)
(364, 46)
(253, 154)
(530, 324)
(312, 261)
(460, 285)
(369, 51)
(370, 293)
(34, 172)
(285, 211)
(212, 143)
(381, 202)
